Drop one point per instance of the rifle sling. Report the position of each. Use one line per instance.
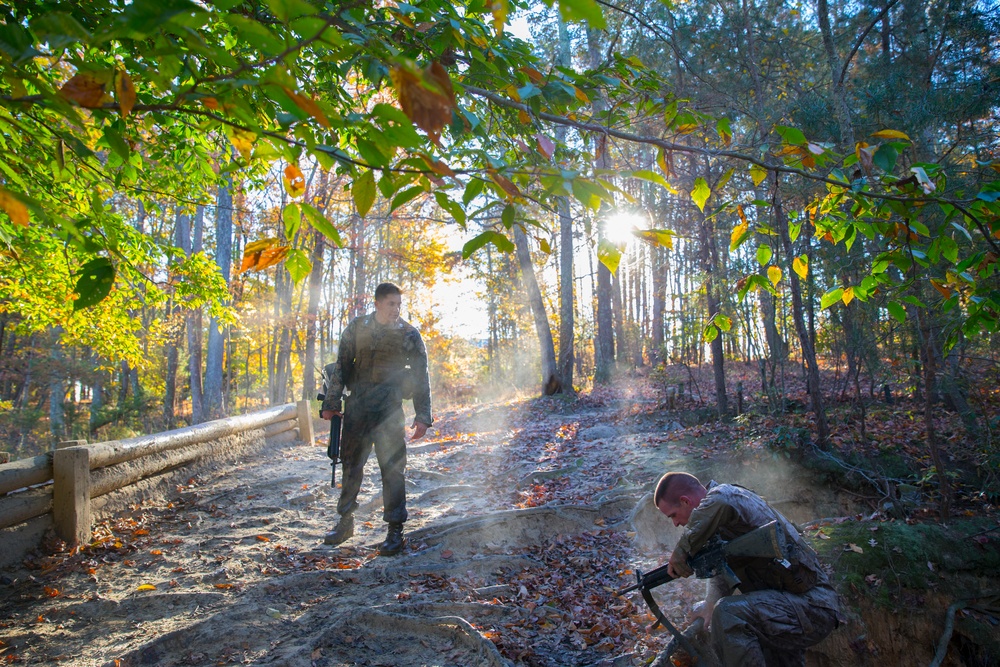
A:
(685, 643)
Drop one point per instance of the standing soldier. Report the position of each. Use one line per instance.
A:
(380, 362)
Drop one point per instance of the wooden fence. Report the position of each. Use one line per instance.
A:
(66, 481)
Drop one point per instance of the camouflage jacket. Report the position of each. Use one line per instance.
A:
(731, 511)
(380, 365)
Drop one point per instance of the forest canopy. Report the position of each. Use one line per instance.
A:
(838, 155)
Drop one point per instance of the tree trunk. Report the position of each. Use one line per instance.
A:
(709, 265)
(216, 339)
(550, 376)
(604, 348)
(315, 291)
(808, 351)
(57, 388)
(566, 310)
(175, 330)
(660, 268)
(194, 328)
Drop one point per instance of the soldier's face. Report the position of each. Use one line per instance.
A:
(387, 308)
(679, 512)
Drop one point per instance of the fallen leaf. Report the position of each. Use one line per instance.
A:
(146, 587)
(855, 548)
(263, 538)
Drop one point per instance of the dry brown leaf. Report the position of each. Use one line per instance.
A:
(309, 106)
(427, 98)
(86, 89)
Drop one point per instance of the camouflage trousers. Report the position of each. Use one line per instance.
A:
(384, 430)
(772, 628)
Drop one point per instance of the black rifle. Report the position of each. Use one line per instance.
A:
(764, 542)
(336, 422)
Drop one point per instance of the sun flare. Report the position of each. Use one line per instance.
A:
(619, 225)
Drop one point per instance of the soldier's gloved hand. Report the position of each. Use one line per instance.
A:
(678, 566)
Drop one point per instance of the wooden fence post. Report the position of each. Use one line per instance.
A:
(71, 494)
(303, 409)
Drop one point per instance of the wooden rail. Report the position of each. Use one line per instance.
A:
(66, 480)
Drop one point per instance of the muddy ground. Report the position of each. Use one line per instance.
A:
(524, 519)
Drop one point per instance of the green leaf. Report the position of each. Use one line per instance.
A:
(502, 243)
(404, 196)
(321, 224)
(897, 311)
(711, 333)
(452, 207)
(723, 322)
(363, 191)
(589, 193)
(371, 153)
(791, 135)
(292, 217)
(507, 215)
(700, 193)
(831, 297)
(95, 282)
(794, 229)
(885, 158)
(583, 10)
(298, 265)
(764, 253)
(653, 177)
(472, 190)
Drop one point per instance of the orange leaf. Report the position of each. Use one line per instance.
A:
(141, 531)
(86, 89)
(125, 92)
(427, 98)
(211, 103)
(505, 184)
(295, 182)
(263, 538)
(533, 74)
(309, 106)
(14, 207)
(272, 256)
(223, 586)
(156, 552)
(52, 592)
(942, 288)
(546, 146)
(437, 166)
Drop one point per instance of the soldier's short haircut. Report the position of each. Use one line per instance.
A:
(385, 289)
(673, 485)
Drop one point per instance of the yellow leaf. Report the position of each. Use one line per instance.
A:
(801, 266)
(295, 182)
(891, 134)
(86, 89)
(125, 92)
(580, 95)
(146, 587)
(499, 10)
(848, 296)
(309, 106)
(738, 232)
(14, 207)
(855, 548)
(243, 142)
(523, 116)
(774, 275)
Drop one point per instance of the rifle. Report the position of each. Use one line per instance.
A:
(712, 560)
(336, 422)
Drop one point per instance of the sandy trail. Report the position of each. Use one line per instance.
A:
(519, 533)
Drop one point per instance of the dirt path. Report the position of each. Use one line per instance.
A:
(522, 523)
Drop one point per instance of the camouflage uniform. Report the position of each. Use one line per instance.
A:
(379, 365)
(782, 610)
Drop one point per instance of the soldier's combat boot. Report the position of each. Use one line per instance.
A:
(343, 531)
(393, 541)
